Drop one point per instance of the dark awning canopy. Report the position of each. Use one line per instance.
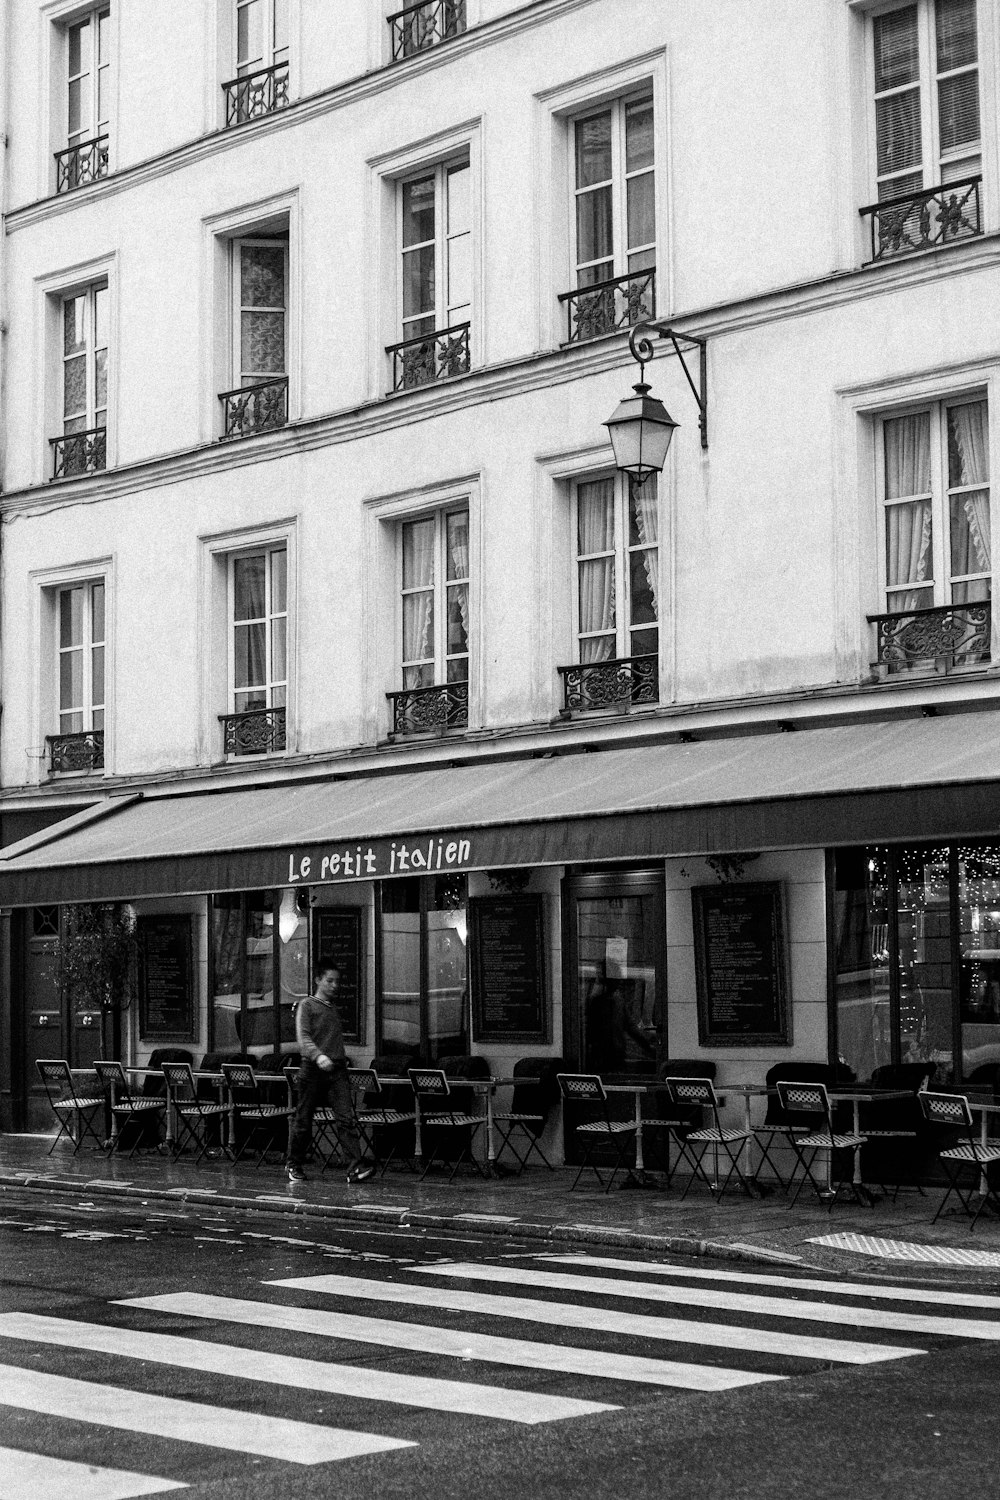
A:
(863, 783)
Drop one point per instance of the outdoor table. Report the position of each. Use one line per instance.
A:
(985, 1110)
(857, 1097)
(485, 1087)
(638, 1172)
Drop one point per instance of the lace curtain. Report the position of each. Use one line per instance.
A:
(418, 607)
(647, 523)
(458, 567)
(968, 426)
(908, 523)
(596, 534)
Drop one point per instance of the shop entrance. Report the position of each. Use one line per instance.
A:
(55, 1024)
(615, 972)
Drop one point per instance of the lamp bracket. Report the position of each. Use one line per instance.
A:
(640, 342)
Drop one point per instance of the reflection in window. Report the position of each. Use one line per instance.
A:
(424, 1000)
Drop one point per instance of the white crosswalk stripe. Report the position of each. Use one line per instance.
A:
(453, 1342)
(29, 1476)
(725, 1300)
(604, 1320)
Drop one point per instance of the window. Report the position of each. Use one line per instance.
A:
(87, 102)
(927, 127)
(617, 592)
(261, 53)
(259, 280)
(935, 536)
(434, 598)
(84, 383)
(259, 970)
(422, 1004)
(258, 665)
(414, 28)
(435, 276)
(614, 218)
(80, 652)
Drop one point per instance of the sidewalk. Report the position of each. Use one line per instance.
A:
(539, 1207)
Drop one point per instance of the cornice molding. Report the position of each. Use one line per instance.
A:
(314, 106)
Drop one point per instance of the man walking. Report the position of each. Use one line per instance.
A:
(324, 1071)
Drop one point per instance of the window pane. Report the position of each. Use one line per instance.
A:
(401, 965)
(279, 581)
(248, 587)
(279, 670)
(643, 514)
(595, 517)
(74, 325)
(459, 274)
(101, 317)
(262, 275)
(263, 343)
(593, 149)
(639, 135)
(71, 679)
(101, 380)
(644, 642)
(597, 597)
(280, 25)
(418, 677)
(958, 110)
(968, 443)
(78, 117)
(956, 34)
(593, 226)
(641, 210)
(418, 627)
(250, 33)
(418, 281)
(418, 211)
(861, 949)
(249, 648)
(71, 723)
(458, 669)
(97, 612)
(897, 132)
(104, 37)
(75, 387)
(597, 648)
(418, 554)
(970, 533)
(897, 49)
(97, 675)
(642, 586)
(925, 1005)
(908, 546)
(458, 200)
(458, 619)
(78, 47)
(447, 932)
(908, 455)
(71, 617)
(457, 525)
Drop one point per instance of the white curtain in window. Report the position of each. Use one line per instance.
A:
(647, 521)
(418, 608)
(458, 564)
(970, 425)
(908, 526)
(596, 534)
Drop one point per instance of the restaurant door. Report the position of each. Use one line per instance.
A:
(615, 972)
(56, 1023)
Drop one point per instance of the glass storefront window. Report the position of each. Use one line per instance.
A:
(924, 944)
(400, 998)
(979, 969)
(424, 1002)
(259, 969)
(861, 967)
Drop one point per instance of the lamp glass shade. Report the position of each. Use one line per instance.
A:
(641, 429)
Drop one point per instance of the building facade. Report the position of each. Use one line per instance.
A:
(326, 616)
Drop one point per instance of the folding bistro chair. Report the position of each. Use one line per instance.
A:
(684, 1092)
(813, 1099)
(442, 1122)
(249, 1108)
(196, 1119)
(952, 1111)
(669, 1121)
(530, 1108)
(587, 1089)
(379, 1126)
(782, 1124)
(68, 1105)
(126, 1106)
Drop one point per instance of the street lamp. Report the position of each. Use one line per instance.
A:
(640, 426)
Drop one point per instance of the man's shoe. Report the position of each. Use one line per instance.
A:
(295, 1172)
(361, 1172)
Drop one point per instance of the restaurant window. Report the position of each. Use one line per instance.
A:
(917, 959)
(423, 1007)
(259, 970)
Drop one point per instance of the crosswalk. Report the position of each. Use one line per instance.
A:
(541, 1339)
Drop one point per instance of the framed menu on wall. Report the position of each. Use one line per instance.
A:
(508, 969)
(740, 965)
(166, 978)
(337, 941)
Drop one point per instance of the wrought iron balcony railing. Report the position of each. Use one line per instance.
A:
(920, 221)
(430, 710)
(421, 26)
(73, 753)
(609, 305)
(433, 356)
(82, 164)
(254, 408)
(953, 635)
(79, 453)
(256, 94)
(624, 682)
(259, 731)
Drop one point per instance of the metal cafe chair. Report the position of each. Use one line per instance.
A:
(779, 1123)
(249, 1108)
(442, 1122)
(813, 1099)
(126, 1106)
(667, 1123)
(67, 1105)
(684, 1092)
(587, 1089)
(531, 1104)
(380, 1127)
(194, 1118)
(952, 1111)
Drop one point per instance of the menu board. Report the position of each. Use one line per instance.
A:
(337, 941)
(166, 978)
(740, 968)
(508, 969)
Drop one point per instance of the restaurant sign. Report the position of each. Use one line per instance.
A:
(319, 865)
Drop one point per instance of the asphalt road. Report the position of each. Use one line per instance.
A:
(143, 1351)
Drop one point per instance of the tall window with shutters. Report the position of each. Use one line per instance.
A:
(935, 542)
(928, 148)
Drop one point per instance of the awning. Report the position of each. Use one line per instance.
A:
(905, 779)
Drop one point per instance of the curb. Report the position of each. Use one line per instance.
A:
(502, 1226)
